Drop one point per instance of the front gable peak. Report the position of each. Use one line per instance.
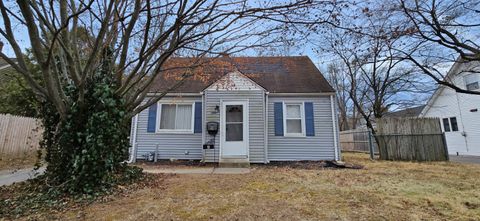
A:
(234, 81)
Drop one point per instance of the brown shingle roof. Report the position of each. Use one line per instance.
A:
(275, 74)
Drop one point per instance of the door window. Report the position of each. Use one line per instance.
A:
(234, 123)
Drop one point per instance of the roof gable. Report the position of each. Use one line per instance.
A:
(234, 81)
(459, 67)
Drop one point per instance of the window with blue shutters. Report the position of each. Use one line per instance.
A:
(294, 119)
(178, 117)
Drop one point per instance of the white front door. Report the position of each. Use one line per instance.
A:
(234, 129)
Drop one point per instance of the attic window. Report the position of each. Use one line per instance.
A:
(471, 82)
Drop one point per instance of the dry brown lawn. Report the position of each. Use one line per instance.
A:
(19, 161)
(380, 191)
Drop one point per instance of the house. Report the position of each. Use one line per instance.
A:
(459, 112)
(266, 108)
(407, 112)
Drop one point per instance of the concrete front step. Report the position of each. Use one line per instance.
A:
(234, 162)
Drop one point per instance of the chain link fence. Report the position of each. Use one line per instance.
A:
(358, 140)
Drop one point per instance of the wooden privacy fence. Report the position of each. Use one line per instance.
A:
(18, 135)
(412, 139)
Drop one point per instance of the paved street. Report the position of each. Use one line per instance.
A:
(465, 159)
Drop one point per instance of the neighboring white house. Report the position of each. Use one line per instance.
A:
(459, 113)
(245, 110)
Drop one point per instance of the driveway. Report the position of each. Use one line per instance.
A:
(8, 177)
(465, 159)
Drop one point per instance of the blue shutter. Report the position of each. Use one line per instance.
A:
(152, 118)
(309, 123)
(198, 118)
(278, 118)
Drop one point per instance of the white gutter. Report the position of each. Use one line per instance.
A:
(334, 122)
(5, 66)
(302, 94)
(176, 94)
(133, 154)
(266, 127)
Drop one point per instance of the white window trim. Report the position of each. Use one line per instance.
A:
(302, 119)
(451, 125)
(174, 131)
(477, 77)
(449, 119)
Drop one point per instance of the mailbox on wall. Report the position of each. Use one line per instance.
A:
(212, 127)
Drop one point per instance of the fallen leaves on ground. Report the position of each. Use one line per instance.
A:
(382, 190)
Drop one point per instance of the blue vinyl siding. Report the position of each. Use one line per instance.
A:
(256, 104)
(170, 145)
(318, 147)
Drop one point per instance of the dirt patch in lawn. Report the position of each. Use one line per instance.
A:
(312, 165)
(381, 191)
(173, 163)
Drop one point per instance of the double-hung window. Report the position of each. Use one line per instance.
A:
(294, 119)
(472, 81)
(450, 124)
(176, 117)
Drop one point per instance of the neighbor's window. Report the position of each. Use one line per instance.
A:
(450, 124)
(176, 117)
(446, 125)
(294, 119)
(471, 81)
(453, 123)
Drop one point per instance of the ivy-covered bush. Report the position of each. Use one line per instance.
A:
(86, 151)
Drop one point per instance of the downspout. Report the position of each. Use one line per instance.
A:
(204, 108)
(334, 123)
(133, 154)
(464, 134)
(266, 127)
